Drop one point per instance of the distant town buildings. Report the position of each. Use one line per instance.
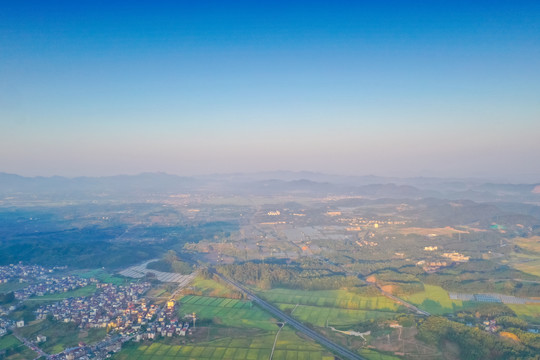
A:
(457, 257)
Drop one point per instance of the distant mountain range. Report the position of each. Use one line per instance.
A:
(268, 183)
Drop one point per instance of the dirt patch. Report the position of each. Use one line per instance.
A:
(371, 279)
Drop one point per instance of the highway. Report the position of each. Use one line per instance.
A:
(337, 349)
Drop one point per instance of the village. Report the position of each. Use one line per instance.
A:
(22, 273)
(123, 310)
(51, 285)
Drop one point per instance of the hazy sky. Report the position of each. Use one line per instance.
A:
(380, 87)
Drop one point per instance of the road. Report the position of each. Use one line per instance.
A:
(338, 349)
(30, 345)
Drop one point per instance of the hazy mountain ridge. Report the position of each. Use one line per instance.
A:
(270, 183)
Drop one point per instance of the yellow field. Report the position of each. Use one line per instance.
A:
(432, 231)
(528, 263)
(531, 244)
(529, 312)
(434, 299)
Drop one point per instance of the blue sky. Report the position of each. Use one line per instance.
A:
(443, 88)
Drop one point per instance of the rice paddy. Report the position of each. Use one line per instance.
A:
(288, 347)
(232, 312)
(236, 329)
(322, 316)
(340, 299)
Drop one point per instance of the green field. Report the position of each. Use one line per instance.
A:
(321, 316)
(528, 261)
(60, 335)
(85, 291)
(229, 312)
(104, 277)
(330, 298)
(235, 329)
(15, 349)
(435, 300)
(530, 244)
(241, 346)
(209, 287)
(12, 286)
(8, 341)
(528, 312)
(530, 266)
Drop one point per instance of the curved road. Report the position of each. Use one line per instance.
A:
(338, 349)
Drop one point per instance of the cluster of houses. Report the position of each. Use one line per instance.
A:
(122, 310)
(5, 326)
(101, 350)
(166, 324)
(22, 273)
(490, 326)
(51, 285)
(119, 308)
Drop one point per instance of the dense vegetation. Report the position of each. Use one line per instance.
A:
(473, 342)
(7, 298)
(46, 238)
(294, 275)
(479, 276)
(171, 263)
